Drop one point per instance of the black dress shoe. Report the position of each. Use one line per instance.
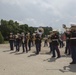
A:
(36, 53)
(65, 52)
(73, 63)
(53, 56)
(23, 51)
(12, 49)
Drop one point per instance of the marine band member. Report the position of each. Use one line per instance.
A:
(11, 41)
(17, 40)
(67, 48)
(73, 44)
(55, 44)
(38, 43)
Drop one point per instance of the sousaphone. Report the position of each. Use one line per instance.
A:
(40, 31)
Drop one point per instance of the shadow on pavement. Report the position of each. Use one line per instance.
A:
(65, 56)
(19, 53)
(32, 55)
(69, 68)
(12, 52)
(50, 59)
(6, 50)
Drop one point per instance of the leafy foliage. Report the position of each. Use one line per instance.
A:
(13, 26)
(1, 38)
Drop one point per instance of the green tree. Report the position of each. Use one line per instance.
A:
(31, 30)
(10, 22)
(1, 38)
(46, 30)
(24, 28)
(8, 26)
(13, 26)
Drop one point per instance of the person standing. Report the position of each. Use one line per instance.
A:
(73, 45)
(38, 43)
(17, 40)
(55, 44)
(23, 42)
(50, 41)
(29, 41)
(67, 48)
(11, 41)
(26, 43)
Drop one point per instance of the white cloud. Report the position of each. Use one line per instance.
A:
(31, 20)
(72, 23)
(57, 20)
(39, 12)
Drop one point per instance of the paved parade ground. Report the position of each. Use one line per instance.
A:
(18, 63)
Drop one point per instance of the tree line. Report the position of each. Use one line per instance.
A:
(13, 26)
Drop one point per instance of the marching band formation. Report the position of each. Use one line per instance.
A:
(53, 39)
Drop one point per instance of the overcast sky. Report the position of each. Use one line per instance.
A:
(52, 13)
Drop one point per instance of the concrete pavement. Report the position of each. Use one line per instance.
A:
(18, 63)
